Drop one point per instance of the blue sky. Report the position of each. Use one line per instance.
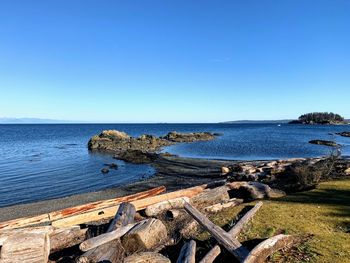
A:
(173, 61)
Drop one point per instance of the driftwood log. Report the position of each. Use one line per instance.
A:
(107, 237)
(211, 196)
(223, 205)
(113, 250)
(146, 257)
(155, 209)
(60, 238)
(231, 244)
(139, 205)
(26, 248)
(266, 248)
(105, 203)
(255, 190)
(78, 210)
(234, 232)
(146, 236)
(193, 225)
(187, 253)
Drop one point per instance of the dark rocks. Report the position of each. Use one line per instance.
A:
(104, 170)
(344, 134)
(136, 149)
(136, 156)
(188, 137)
(112, 165)
(324, 142)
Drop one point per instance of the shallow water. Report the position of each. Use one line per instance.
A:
(42, 161)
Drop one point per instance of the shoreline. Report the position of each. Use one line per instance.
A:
(171, 182)
(171, 171)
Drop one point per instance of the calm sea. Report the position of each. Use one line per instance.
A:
(42, 161)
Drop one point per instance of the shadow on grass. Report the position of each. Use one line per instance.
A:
(338, 198)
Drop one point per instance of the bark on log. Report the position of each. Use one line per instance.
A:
(60, 238)
(211, 196)
(113, 250)
(153, 210)
(223, 238)
(145, 236)
(4, 234)
(77, 210)
(139, 205)
(234, 232)
(187, 253)
(66, 237)
(26, 248)
(146, 257)
(223, 205)
(268, 247)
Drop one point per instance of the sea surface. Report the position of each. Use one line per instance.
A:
(45, 161)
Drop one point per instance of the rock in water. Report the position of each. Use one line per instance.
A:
(344, 134)
(324, 142)
(188, 137)
(136, 149)
(112, 165)
(104, 170)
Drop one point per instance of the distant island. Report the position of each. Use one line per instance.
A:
(320, 118)
(257, 121)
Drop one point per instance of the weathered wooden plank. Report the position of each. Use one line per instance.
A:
(24, 221)
(77, 210)
(223, 238)
(104, 203)
(139, 205)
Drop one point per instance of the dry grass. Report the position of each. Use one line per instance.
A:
(321, 216)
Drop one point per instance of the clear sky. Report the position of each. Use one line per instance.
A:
(173, 61)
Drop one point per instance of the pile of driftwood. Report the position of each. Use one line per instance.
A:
(136, 232)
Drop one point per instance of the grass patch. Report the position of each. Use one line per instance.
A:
(321, 217)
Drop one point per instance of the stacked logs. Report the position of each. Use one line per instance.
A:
(139, 228)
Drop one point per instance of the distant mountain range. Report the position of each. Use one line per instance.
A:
(29, 120)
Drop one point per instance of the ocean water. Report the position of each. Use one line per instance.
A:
(39, 161)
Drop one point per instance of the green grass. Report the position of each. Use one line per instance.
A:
(321, 216)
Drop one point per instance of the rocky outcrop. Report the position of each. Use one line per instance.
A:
(344, 134)
(324, 142)
(141, 149)
(188, 137)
